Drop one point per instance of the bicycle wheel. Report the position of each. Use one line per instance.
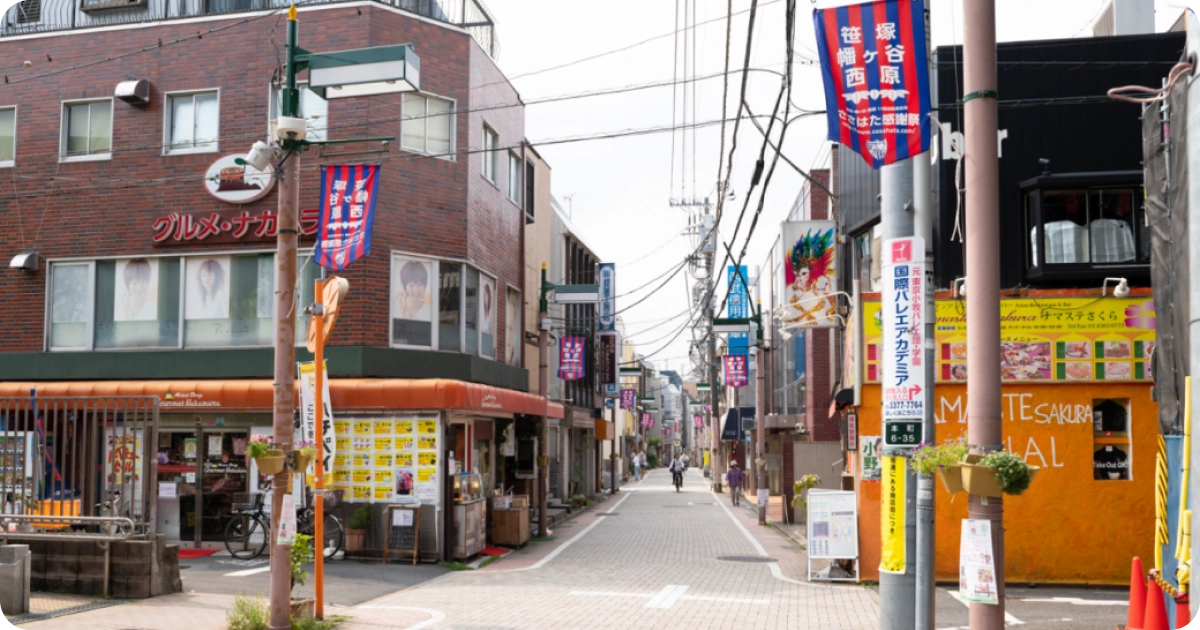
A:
(333, 536)
(246, 536)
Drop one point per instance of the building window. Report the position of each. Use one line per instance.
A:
(1112, 451)
(70, 306)
(488, 301)
(513, 334)
(514, 178)
(490, 143)
(87, 131)
(427, 125)
(192, 122)
(412, 301)
(313, 109)
(8, 136)
(530, 193)
(1085, 229)
(471, 311)
(450, 331)
(137, 303)
(29, 11)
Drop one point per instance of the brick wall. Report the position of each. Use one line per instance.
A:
(820, 347)
(426, 205)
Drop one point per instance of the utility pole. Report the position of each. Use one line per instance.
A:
(897, 591)
(543, 458)
(984, 429)
(760, 425)
(286, 238)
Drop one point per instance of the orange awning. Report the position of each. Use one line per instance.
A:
(555, 411)
(350, 394)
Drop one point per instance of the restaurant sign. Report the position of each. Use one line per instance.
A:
(225, 226)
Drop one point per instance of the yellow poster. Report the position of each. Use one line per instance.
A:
(361, 475)
(891, 511)
(427, 427)
(361, 493)
(427, 459)
(362, 427)
(342, 444)
(341, 427)
(383, 493)
(341, 476)
(404, 460)
(362, 460)
(427, 444)
(404, 427)
(425, 474)
(383, 460)
(339, 460)
(383, 444)
(383, 476)
(404, 444)
(382, 427)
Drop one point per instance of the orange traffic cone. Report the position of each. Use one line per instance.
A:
(1183, 615)
(1156, 609)
(1137, 596)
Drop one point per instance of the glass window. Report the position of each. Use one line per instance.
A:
(1112, 449)
(1101, 226)
(490, 143)
(192, 122)
(412, 301)
(471, 311)
(8, 135)
(70, 301)
(137, 303)
(450, 306)
(1111, 230)
(29, 11)
(487, 319)
(313, 109)
(514, 178)
(88, 130)
(427, 125)
(229, 301)
(513, 335)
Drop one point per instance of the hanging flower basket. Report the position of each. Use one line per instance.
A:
(952, 478)
(271, 463)
(301, 461)
(997, 474)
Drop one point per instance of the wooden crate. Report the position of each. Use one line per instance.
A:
(510, 527)
(520, 500)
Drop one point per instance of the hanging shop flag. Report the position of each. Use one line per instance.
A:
(628, 397)
(347, 212)
(810, 270)
(608, 297)
(647, 420)
(698, 421)
(876, 70)
(570, 358)
(737, 305)
(735, 370)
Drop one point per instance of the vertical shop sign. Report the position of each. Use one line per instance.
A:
(347, 213)
(570, 358)
(308, 411)
(737, 305)
(628, 396)
(608, 297)
(868, 461)
(976, 567)
(892, 514)
(608, 358)
(876, 71)
(735, 370)
(903, 362)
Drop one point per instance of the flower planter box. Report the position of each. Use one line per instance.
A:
(951, 478)
(982, 480)
(354, 540)
(303, 609)
(271, 463)
(301, 462)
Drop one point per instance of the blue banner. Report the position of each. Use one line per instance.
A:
(738, 305)
(347, 213)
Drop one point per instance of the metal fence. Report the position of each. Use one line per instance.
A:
(44, 16)
(79, 456)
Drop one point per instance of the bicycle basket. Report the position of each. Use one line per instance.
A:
(247, 501)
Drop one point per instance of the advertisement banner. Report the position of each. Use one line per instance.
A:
(869, 468)
(976, 567)
(1048, 339)
(647, 420)
(892, 514)
(570, 358)
(347, 213)
(608, 358)
(608, 297)
(810, 273)
(698, 421)
(628, 398)
(735, 370)
(737, 305)
(832, 524)
(308, 413)
(876, 71)
(903, 321)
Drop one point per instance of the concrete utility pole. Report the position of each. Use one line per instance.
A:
(897, 591)
(984, 430)
(760, 427)
(543, 458)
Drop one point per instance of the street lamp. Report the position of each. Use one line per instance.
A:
(364, 72)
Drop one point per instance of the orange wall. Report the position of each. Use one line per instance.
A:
(1067, 527)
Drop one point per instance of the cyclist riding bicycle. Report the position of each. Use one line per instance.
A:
(676, 467)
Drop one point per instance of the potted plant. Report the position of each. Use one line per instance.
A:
(945, 459)
(262, 450)
(305, 453)
(357, 526)
(997, 474)
(578, 501)
(302, 554)
(800, 498)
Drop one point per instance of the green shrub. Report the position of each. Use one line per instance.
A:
(651, 459)
(302, 554)
(1011, 471)
(248, 613)
(930, 458)
(362, 517)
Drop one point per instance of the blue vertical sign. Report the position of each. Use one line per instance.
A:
(608, 296)
(738, 306)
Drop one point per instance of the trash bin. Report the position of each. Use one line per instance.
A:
(15, 565)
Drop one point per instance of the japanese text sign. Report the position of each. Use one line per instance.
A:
(570, 358)
(347, 212)
(737, 305)
(735, 370)
(892, 516)
(876, 71)
(308, 413)
(225, 226)
(628, 397)
(698, 421)
(608, 297)
(903, 313)
(647, 420)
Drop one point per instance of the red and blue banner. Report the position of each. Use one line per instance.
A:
(347, 213)
(876, 70)
(735, 370)
(628, 398)
(570, 358)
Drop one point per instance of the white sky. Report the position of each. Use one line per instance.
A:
(619, 188)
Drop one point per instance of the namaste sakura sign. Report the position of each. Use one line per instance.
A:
(225, 226)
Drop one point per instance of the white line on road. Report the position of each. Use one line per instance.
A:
(667, 597)
(1079, 602)
(776, 572)
(248, 572)
(663, 599)
(553, 554)
(729, 600)
(434, 615)
(1009, 620)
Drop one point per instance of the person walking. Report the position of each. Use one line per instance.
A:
(636, 460)
(733, 479)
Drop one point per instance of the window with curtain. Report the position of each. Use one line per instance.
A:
(87, 130)
(193, 122)
(70, 297)
(137, 303)
(1086, 226)
(8, 136)
(427, 125)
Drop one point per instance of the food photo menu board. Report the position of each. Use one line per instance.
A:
(1041, 339)
(381, 460)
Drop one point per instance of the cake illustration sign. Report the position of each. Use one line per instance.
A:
(811, 274)
(234, 183)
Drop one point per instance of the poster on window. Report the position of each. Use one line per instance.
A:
(512, 332)
(387, 461)
(123, 465)
(412, 301)
(135, 293)
(487, 326)
(810, 271)
(207, 287)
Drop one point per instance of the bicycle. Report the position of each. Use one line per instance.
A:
(248, 533)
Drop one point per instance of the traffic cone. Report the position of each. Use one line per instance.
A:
(1183, 615)
(1156, 609)
(1137, 596)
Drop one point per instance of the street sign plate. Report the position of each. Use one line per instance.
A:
(906, 433)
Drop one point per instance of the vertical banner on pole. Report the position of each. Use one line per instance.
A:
(608, 297)
(738, 306)
(892, 558)
(308, 398)
(347, 214)
(976, 567)
(903, 314)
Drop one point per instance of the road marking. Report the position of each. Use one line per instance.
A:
(1079, 602)
(776, 572)
(667, 597)
(1009, 620)
(434, 615)
(248, 572)
(553, 554)
(730, 600)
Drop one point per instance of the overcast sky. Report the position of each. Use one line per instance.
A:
(617, 190)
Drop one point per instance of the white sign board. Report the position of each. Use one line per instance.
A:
(308, 414)
(832, 524)
(903, 359)
(976, 567)
(168, 490)
(402, 518)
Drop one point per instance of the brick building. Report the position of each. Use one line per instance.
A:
(155, 252)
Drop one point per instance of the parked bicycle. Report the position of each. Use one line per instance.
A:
(248, 533)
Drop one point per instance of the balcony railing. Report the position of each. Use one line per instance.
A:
(46, 16)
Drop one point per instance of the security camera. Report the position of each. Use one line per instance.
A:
(288, 128)
(261, 155)
(28, 64)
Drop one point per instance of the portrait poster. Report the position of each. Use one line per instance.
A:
(412, 301)
(135, 292)
(810, 273)
(512, 332)
(487, 322)
(207, 287)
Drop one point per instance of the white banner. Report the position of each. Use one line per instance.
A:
(308, 414)
(903, 360)
(976, 567)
